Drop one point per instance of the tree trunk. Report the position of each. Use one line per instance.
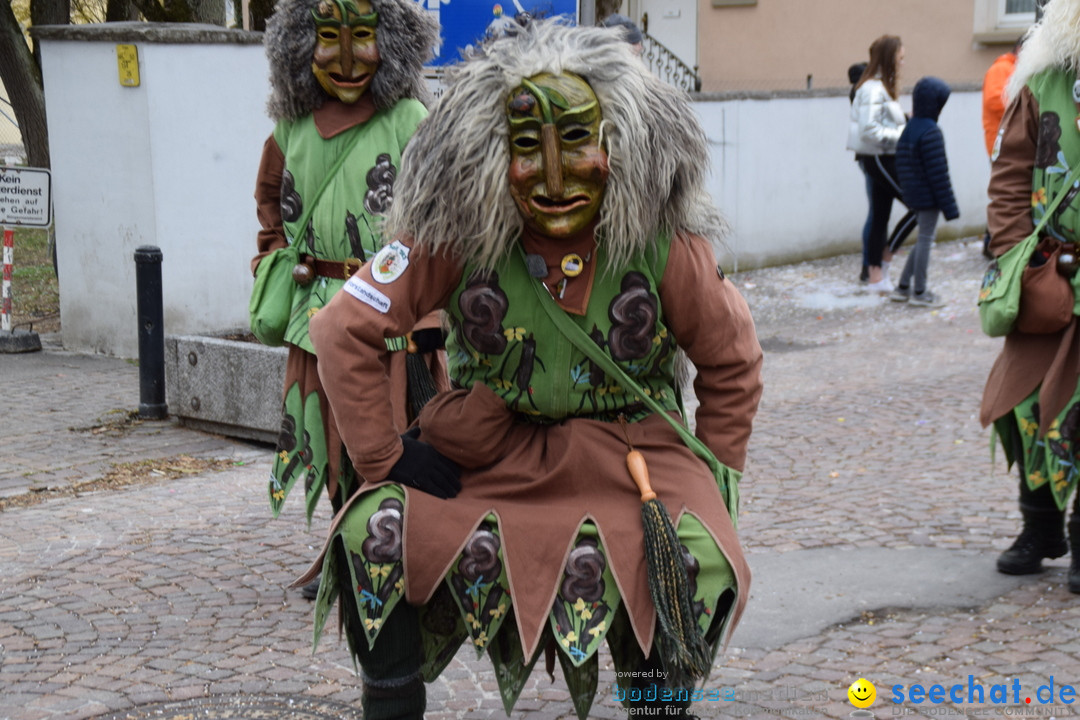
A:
(22, 78)
(120, 11)
(166, 11)
(48, 12)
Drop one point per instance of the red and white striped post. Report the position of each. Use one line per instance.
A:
(5, 289)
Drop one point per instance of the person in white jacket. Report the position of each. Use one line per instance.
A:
(876, 123)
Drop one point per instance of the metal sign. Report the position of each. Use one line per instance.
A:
(127, 64)
(464, 23)
(25, 196)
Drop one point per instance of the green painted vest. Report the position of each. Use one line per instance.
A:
(345, 221)
(1057, 151)
(501, 337)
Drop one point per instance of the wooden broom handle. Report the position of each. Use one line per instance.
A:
(639, 471)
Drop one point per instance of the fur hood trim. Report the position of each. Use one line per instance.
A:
(405, 37)
(452, 193)
(1053, 42)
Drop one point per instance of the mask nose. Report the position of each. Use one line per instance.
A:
(552, 151)
(345, 38)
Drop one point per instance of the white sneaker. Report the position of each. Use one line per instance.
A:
(883, 286)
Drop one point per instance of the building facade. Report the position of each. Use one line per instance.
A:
(768, 45)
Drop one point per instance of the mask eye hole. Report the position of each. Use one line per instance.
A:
(575, 134)
(526, 143)
(328, 34)
(362, 33)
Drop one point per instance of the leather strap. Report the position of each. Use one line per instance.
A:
(335, 269)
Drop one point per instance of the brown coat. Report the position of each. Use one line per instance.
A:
(544, 481)
(1026, 361)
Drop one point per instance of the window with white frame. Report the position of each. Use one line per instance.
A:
(1019, 7)
(1002, 21)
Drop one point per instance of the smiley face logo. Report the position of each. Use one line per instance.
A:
(862, 693)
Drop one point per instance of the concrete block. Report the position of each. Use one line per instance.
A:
(229, 387)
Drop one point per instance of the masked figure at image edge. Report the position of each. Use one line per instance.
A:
(1032, 396)
(510, 520)
(347, 77)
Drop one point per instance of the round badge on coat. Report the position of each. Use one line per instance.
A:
(389, 263)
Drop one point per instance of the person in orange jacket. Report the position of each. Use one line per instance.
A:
(993, 93)
(993, 106)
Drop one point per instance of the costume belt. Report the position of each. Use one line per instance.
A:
(335, 269)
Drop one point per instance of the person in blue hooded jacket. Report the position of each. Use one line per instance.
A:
(923, 171)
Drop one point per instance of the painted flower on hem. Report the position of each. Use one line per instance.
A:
(583, 610)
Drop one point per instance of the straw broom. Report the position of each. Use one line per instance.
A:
(419, 385)
(682, 647)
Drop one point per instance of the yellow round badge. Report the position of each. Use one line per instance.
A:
(862, 693)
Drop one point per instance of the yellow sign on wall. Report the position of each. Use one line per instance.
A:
(127, 61)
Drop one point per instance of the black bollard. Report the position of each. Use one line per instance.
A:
(151, 333)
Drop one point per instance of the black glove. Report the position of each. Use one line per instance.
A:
(429, 340)
(423, 467)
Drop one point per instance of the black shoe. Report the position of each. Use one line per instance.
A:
(1074, 548)
(1074, 576)
(311, 590)
(864, 276)
(1042, 537)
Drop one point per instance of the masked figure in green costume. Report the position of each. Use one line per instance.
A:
(557, 181)
(1032, 396)
(347, 79)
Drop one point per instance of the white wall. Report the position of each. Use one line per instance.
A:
(782, 176)
(170, 163)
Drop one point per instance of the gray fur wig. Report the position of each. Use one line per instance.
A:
(405, 37)
(1053, 42)
(452, 193)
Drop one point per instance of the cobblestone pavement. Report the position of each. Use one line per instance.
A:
(174, 590)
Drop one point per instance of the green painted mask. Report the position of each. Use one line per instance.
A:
(558, 169)
(346, 55)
